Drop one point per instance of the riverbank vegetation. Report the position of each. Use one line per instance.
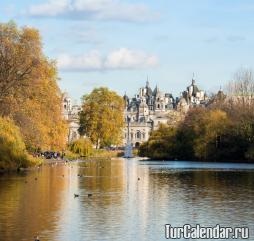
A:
(82, 147)
(13, 152)
(29, 94)
(95, 154)
(223, 131)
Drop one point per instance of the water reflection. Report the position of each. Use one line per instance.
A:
(130, 200)
(29, 203)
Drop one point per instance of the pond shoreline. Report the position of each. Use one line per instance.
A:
(221, 161)
(141, 159)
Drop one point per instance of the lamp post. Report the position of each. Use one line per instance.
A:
(128, 147)
(128, 129)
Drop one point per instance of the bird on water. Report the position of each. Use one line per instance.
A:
(36, 238)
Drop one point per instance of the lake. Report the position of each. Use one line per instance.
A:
(131, 199)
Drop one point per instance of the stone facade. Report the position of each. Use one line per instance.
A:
(191, 97)
(144, 112)
(150, 108)
(70, 113)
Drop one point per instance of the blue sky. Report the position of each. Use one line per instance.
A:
(118, 43)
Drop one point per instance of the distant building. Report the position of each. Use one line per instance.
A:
(71, 115)
(145, 112)
(191, 97)
(150, 108)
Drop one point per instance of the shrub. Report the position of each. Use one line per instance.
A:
(13, 152)
(82, 146)
(250, 153)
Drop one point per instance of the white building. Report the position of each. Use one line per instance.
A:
(191, 97)
(71, 115)
(145, 112)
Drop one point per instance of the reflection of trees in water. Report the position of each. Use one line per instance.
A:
(206, 195)
(28, 206)
(207, 180)
(42, 206)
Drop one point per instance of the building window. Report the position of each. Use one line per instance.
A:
(138, 135)
(132, 136)
(144, 135)
(158, 106)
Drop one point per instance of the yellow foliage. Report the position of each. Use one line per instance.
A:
(29, 93)
(82, 146)
(102, 117)
(12, 148)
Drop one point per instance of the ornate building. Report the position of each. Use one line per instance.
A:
(150, 108)
(191, 97)
(71, 115)
(145, 112)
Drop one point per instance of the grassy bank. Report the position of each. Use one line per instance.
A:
(95, 154)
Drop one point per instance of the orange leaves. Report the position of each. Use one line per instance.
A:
(28, 88)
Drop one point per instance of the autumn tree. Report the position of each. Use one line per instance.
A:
(101, 118)
(20, 55)
(29, 93)
(209, 132)
(240, 107)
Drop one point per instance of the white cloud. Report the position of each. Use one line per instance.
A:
(90, 61)
(116, 60)
(124, 58)
(50, 8)
(93, 9)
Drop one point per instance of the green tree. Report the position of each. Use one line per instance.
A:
(209, 131)
(161, 144)
(101, 118)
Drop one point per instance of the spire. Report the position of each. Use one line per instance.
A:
(156, 90)
(193, 79)
(147, 82)
(125, 96)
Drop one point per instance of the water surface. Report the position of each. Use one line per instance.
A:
(121, 206)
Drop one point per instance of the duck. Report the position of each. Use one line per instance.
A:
(36, 238)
